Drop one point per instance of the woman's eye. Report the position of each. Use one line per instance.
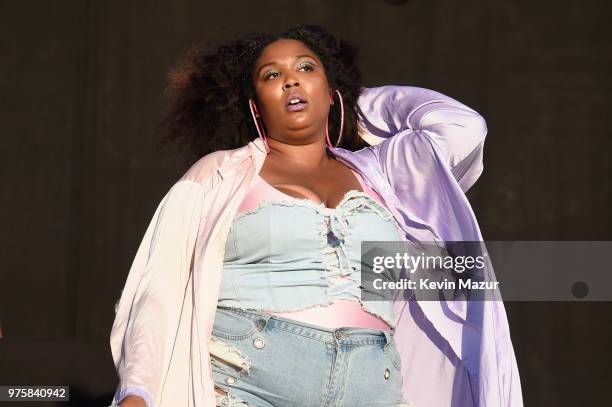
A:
(274, 74)
(309, 66)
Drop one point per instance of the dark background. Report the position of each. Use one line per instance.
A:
(81, 92)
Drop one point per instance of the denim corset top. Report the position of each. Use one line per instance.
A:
(288, 254)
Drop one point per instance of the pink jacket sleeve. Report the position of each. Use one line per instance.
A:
(455, 129)
(429, 149)
(150, 306)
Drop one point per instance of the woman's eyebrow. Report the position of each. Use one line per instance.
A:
(272, 63)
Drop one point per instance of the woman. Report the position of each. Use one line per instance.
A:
(245, 290)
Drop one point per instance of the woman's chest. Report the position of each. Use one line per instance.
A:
(327, 185)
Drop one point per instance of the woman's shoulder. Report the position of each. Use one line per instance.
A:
(213, 167)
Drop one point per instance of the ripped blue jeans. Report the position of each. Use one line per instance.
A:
(260, 359)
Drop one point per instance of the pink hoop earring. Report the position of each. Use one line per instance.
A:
(329, 144)
(261, 132)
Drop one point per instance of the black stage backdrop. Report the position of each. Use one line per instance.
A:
(81, 85)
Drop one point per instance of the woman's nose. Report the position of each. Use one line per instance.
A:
(290, 83)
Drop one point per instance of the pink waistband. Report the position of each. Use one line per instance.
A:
(341, 313)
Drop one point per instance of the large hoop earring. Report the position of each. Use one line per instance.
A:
(329, 144)
(260, 131)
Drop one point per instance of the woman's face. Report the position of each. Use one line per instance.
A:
(287, 67)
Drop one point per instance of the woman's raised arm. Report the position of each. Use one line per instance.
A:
(457, 131)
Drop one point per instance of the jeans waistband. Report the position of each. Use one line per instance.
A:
(345, 336)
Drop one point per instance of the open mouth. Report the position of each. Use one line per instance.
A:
(296, 101)
(296, 104)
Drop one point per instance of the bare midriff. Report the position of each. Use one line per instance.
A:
(341, 312)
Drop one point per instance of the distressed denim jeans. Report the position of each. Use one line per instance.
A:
(260, 359)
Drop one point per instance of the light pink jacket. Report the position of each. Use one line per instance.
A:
(426, 151)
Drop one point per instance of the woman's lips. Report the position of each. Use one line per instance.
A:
(297, 107)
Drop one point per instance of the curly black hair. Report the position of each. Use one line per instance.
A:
(210, 87)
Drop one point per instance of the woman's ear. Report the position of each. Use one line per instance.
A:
(331, 97)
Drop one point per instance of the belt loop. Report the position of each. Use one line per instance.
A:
(388, 337)
(262, 321)
(338, 335)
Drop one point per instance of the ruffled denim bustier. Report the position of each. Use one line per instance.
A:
(291, 254)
